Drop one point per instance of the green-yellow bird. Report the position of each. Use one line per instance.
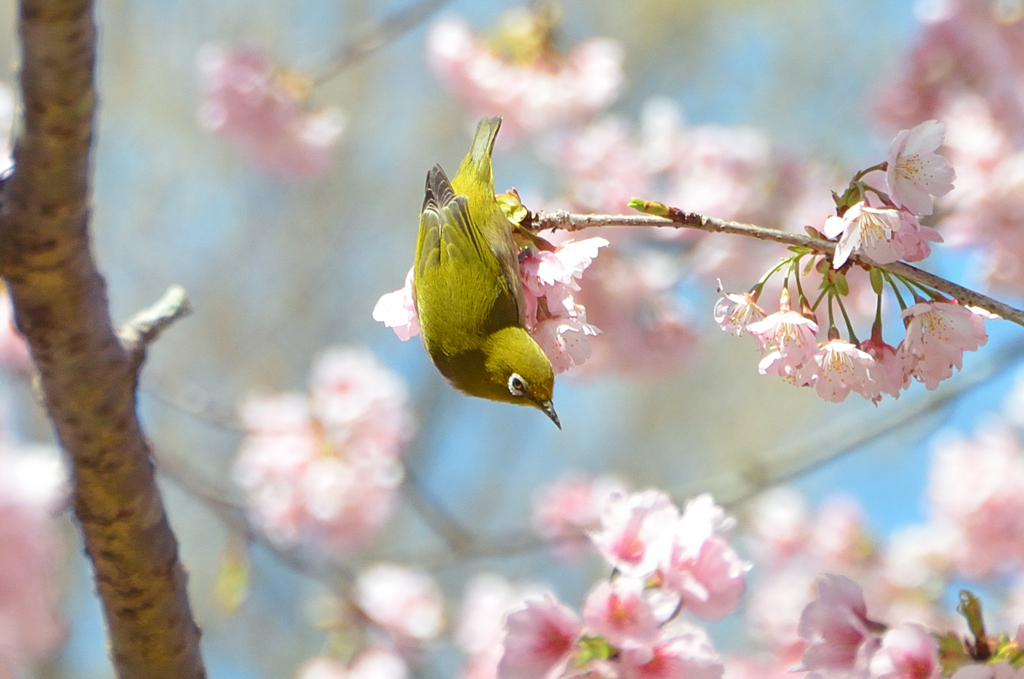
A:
(469, 296)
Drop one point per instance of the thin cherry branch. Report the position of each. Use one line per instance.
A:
(379, 36)
(676, 219)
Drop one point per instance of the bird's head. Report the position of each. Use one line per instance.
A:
(519, 372)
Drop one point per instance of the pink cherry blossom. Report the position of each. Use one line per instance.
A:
(403, 600)
(532, 96)
(480, 631)
(397, 310)
(322, 667)
(322, 468)
(618, 611)
(790, 333)
(837, 630)
(565, 340)
(780, 524)
(915, 171)
(911, 241)
(636, 531)
(644, 331)
(907, 652)
(33, 485)
(976, 486)
(1000, 670)
(865, 230)
(702, 567)
(564, 510)
(263, 111)
(378, 663)
(838, 536)
(735, 311)
(938, 334)
(373, 663)
(891, 370)
(682, 652)
(842, 368)
(539, 640)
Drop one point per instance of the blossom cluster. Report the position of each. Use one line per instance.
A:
(938, 329)
(520, 75)
(971, 534)
(965, 67)
(554, 316)
(665, 562)
(33, 487)
(320, 468)
(264, 111)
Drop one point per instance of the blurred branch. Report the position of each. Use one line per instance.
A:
(747, 483)
(458, 539)
(235, 516)
(380, 35)
(676, 218)
(192, 401)
(87, 376)
(146, 326)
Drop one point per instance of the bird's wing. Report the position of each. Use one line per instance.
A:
(446, 235)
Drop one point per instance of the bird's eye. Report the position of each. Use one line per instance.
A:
(516, 386)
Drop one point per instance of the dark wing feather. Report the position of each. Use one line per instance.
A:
(445, 220)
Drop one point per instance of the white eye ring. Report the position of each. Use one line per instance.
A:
(516, 385)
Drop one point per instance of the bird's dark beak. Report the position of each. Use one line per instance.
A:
(549, 409)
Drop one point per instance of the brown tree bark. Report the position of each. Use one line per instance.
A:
(87, 371)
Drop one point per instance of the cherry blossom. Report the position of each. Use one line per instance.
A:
(553, 316)
(976, 486)
(480, 631)
(837, 629)
(702, 567)
(263, 110)
(618, 611)
(916, 172)
(540, 638)
(842, 367)
(938, 333)
(564, 510)
(322, 468)
(539, 91)
(906, 652)
(1000, 670)
(865, 230)
(33, 485)
(397, 310)
(891, 369)
(636, 531)
(788, 332)
(735, 311)
(682, 652)
(373, 663)
(404, 600)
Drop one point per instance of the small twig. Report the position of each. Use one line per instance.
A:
(379, 36)
(146, 326)
(195, 403)
(235, 517)
(458, 539)
(567, 221)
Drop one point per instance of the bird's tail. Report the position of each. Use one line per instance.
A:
(477, 162)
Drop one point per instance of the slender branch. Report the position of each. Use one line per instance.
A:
(146, 326)
(379, 36)
(567, 221)
(86, 375)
